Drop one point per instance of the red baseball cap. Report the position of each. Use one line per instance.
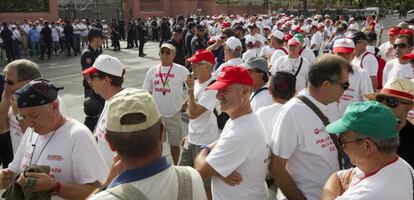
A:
(408, 56)
(230, 75)
(293, 42)
(225, 24)
(406, 32)
(202, 55)
(288, 37)
(393, 31)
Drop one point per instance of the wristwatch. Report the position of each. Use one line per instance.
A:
(19, 117)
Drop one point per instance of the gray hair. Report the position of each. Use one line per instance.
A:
(211, 65)
(25, 69)
(385, 146)
(237, 53)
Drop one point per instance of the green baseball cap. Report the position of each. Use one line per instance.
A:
(369, 118)
(299, 37)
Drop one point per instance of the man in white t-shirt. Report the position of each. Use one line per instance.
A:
(372, 147)
(232, 54)
(135, 131)
(237, 162)
(399, 67)
(387, 50)
(105, 77)
(259, 71)
(84, 33)
(282, 88)
(293, 63)
(165, 82)
(363, 58)
(17, 74)
(303, 153)
(277, 42)
(316, 40)
(359, 82)
(63, 144)
(202, 127)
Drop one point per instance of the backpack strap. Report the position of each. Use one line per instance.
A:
(300, 66)
(282, 49)
(325, 122)
(363, 56)
(258, 91)
(126, 191)
(185, 186)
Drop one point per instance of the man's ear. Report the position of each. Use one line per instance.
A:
(109, 142)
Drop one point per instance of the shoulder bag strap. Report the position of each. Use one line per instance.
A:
(185, 185)
(362, 59)
(258, 91)
(325, 122)
(300, 66)
(126, 191)
(412, 178)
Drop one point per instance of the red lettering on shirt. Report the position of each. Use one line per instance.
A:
(55, 157)
(164, 75)
(56, 170)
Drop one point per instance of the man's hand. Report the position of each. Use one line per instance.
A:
(346, 178)
(6, 177)
(233, 179)
(7, 93)
(190, 81)
(44, 182)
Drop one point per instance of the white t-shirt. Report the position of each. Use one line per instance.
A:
(76, 29)
(174, 78)
(359, 84)
(266, 51)
(277, 53)
(250, 53)
(84, 29)
(55, 34)
(384, 48)
(291, 65)
(394, 69)
(71, 154)
(263, 98)
(394, 181)
(308, 54)
(311, 153)
(99, 133)
(369, 63)
(203, 130)
(231, 62)
(317, 39)
(168, 189)
(242, 147)
(16, 132)
(267, 114)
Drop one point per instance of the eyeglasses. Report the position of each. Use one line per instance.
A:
(412, 61)
(392, 102)
(343, 142)
(92, 76)
(401, 45)
(344, 86)
(10, 82)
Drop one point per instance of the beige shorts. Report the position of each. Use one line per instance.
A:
(174, 129)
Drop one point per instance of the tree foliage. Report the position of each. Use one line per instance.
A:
(24, 5)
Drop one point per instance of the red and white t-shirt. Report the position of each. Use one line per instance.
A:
(394, 69)
(166, 84)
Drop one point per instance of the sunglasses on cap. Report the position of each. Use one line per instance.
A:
(400, 45)
(391, 102)
(344, 86)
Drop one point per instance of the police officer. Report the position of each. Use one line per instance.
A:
(165, 30)
(199, 41)
(188, 37)
(142, 37)
(177, 42)
(93, 103)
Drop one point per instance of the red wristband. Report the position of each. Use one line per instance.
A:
(58, 187)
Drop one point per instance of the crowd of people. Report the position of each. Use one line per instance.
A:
(279, 107)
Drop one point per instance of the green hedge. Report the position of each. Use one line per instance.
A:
(24, 5)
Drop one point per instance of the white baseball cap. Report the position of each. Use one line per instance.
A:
(107, 64)
(277, 34)
(250, 39)
(343, 45)
(233, 43)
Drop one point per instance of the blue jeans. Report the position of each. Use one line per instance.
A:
(34, 48)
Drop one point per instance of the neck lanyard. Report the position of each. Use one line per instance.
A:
(164, 82)
(376, 171)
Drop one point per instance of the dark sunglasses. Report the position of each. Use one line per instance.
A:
(344, 86)
(412, 61)
(401, 45)
(92, 76)
(168, 52)
(391, 102)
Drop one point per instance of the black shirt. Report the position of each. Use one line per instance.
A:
(88, 57)
(406, 148)
(180, 54)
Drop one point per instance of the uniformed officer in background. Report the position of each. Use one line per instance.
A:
(93, 103)
(199, 41)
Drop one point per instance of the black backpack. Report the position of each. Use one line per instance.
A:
(222, 117)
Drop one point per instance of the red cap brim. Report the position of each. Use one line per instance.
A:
(193, 59)
(90, 70)
(218, 85)
(293, 43)
(408, 56)
(343, 50)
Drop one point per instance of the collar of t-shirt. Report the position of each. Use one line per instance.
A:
(318, 104)
(140, 173)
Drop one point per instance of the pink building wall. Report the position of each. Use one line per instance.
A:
(52, 15)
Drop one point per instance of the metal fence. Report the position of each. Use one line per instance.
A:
(94, 10)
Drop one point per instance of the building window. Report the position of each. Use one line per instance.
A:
(24, 6)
